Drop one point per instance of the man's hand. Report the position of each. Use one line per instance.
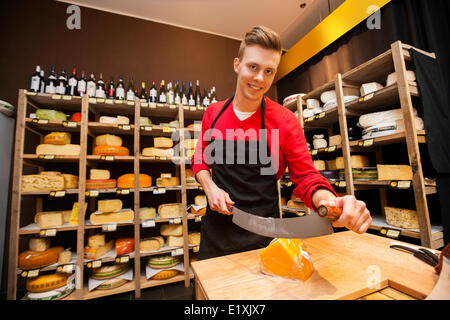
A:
(219, 200)
(355, 216)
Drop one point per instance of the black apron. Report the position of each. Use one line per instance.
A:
(248, 188)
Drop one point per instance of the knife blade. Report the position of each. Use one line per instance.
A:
(307, 226)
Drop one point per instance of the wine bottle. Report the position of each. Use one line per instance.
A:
(72, 83)
(205, 98)
(82, 84)
(130, 90)
(61, 86)
(35, 84)
(90, 86)
(213, 95)
(184, 98)
(111, 92)
(177, 95)
(143, 95)
(198, 97)
(162, 93)
(171, 95)
(42, 82)
(100, 89)
(51, 82)
(191, 95)
(120, 89)
(153, 95)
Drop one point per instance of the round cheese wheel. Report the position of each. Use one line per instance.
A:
(109, 271)
(165, 274)
(100, 184)
(124, 246)
(111, 151)
(127, 181)
(112, 283)
(47, 282)
(29, 260)
(163, 261)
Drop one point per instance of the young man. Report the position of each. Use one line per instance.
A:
(247, 142)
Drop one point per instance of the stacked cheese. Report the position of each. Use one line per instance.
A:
(114, 120)
(166, 180)
(162, 147)
(97, 247)
(110, 211)
(190, 179)
(110, 276)
(296, 204)
(164, 265)
(189, 146)
(200, 204)
(312, 107)
(41, 255)
(109, 145)
(58, 143)
(49, 181)
(173, 234)
(329, 98)
(100, 179)
(54, 286)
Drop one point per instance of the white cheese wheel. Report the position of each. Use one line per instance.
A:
(157, 152)
(312, 104)
(58, 150)
(108, 140)
(370, 87)
(392, 78)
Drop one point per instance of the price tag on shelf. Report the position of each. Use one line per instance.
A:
(331, 149)
(40, 121)
(402, 184)
(47, 232)
(193, 108)
(46, 156)
(66, 268)
(195, 248)
(391, 233)
(198, 218)
(159, 190)
(94, 264)
(100, 100)
(309, 119)
(57, 194)
(176, 220)
(66, 97)
(124, 127)
(92, 193)
(70, 124)
(152, 105)
(369, 96)
(123, 191)
(320, 115)
(148, 223)
(177, 252)
(31, 273)
(122, 259)
(109, 101)
(30, 93)
(166, 129)
(366, 143)
(109, 227)
(185, 107)
(160, 105)
(172, 106)
(147, 128)
(107, 158)
(118, 101)
(92, 100)
(161, 158)
(313, 152)
(340, 184)
(144, 104)
(56, 97)
(130, 103)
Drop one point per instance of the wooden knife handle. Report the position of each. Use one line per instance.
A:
(330, 212)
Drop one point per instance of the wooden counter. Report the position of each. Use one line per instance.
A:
(347, 266)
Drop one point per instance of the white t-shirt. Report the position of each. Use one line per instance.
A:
(242, 115)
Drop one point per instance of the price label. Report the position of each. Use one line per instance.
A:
(94, 264)
(402, 184)
(118, 101)
(47, 232)
(193, 108)
(56, 97)
(123, 191)
(196, 248)
(332, 149)
(162, 158)
(320, 115)
(172, 106)
(159, 190)
(40, 121)
(177, 252)
(92, 193)
(369, 96)
(152, 105)
(166, 129)
(147, 128)
(107, 158)
(92, 100)
(130, 103)
(32, 273)
(67, 268)
(46, 156)
(109, 101)
(160, 105)
(175, 220)
(122, 259)
(144, 104)
(340, 184)
(366, 143)
(185, 107)
(31, 93)
(124, 127)
(148, 223)
(314, 152)
(109, 227)
(57, 194)
(65, 97)
(100, 100)
(70, 124)
(391, 233)
(198, 218)
(309, 119)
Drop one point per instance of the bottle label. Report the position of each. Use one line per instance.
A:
(91, 89)
(184, 100)
(50, 88)
(35, 81)
(72, 82)
(61, 89)
(81, 86)
(191, 101)
(177, 99)
(162, 98)
(153, 93)
(171, 98)
(100, 93)
(130, 95)
(120, 93)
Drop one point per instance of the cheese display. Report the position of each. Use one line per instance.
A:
(46, 114)
(109, 205)
(168, 182)
(100, 184)
(109, 271)
(108, 140)
(370, 87)
(112, 284)
(157, 152)
(319, 141)
(50, 219)
(401, 218)
(194, 238)
(170, 210)
(319, 165)
(171, 230)
(163, 261)
(394, 172)
(392, 78)
(165, 274)
(286, 258)
(292, 98)
(174, 241)
(110, 151)
(357, 161)
(114, 120)
(64, 257)
(368, 173)
(93, 253)
(58, 150)
(330, 95)
(127, 181)
(124, 215)
(162, 142)
(147, 213)
(99, 174)
(57, 138)
(29, 260)
(39, 244)
(381, 117)
(150, 244)
(47, 282)
(124, 245)
(96, 240)
(335, 140)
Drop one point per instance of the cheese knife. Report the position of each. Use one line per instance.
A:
(308, 226)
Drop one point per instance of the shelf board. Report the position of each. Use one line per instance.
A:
(38, 158)
(52, 125)
(315, 94)
(379, 222)
(107, 106)
(174, 160)
(47, 193)
(55, 101)
(101, 128)
(386, 140)
(116, 158)
(159, 110)
(157, 130)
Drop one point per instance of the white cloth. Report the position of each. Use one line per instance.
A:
(242, 115)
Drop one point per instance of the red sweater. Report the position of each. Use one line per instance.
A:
(289, 143)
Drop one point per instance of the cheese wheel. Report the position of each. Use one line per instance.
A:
(112, 217)
(47, 282)
(100, 184)
(163, 261)
(157, 152)
(335, 140)
(194, 238)
(58, 150)
(286, 258)
(96, 252)
(112, 284)
(124, 246)
(110, 151)
(162, 142)
(39, 244)
(175, 241)
(96, 240)
(110, 205)
(312, 104)
(109, 271)
(29, 260)
(165, 274)
(147, 213)
(370, 87)
(171, 230)
(127, 181)
(170, 210)
(47, 114)
(41, 182)
(99, 174)
(60, 138)
(150, 244)
(168, 182)
(108, 140)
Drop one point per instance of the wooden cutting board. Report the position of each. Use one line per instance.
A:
(347, 266)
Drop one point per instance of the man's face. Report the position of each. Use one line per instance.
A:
(256, 71)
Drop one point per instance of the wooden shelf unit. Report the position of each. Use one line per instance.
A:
(87, 129)
(397, 59)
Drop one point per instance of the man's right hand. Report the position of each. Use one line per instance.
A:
(218, 199)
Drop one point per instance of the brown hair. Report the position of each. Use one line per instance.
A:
(263, 36)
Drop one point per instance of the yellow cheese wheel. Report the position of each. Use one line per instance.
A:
(110, 151)
(165, 274)
(127, 181)
(29, 260)
(108, 140)
(47, 282)
(57, 138)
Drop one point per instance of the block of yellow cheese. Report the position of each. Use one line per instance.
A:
(174, 241)
(200, 200)
(150, 244)
(108, 140)
(194, 238)
(286, 258)
(394, 172)
(64, 257)
(39, 244)
(70, 181)
(401, 218)
(57, 138)
(49, 219)
(96, 240)
(171, 230)
(110, 205)
(162, 142)
(58, 150)
(170, 210)
(168, 182)
(319, 165)
(112, 217)
(93, 253)
(357, 161)
(157, 152)
(147, 213)
(99, 174)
